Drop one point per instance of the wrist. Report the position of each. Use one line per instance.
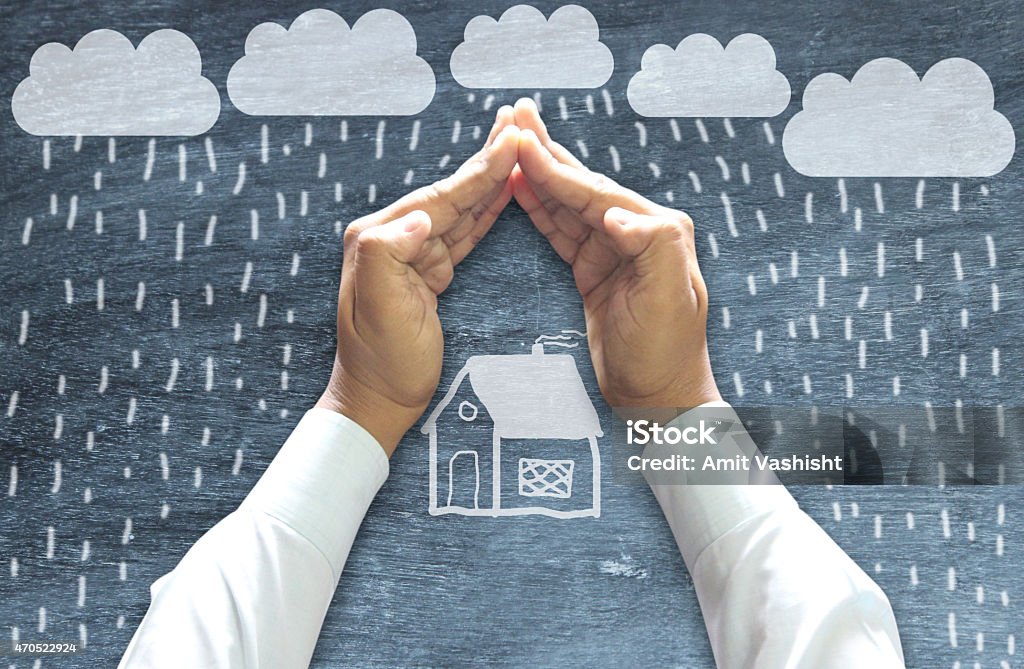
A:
(687, 391)
(696, 385)
(701, 389)
(384, 419)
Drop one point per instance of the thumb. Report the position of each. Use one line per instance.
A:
(656, 243)
(383, 255)
(660, 248)
(398, 241)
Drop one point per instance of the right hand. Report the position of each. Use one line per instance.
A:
(635, 265)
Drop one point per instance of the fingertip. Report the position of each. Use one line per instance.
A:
(509, 131)
(529, 145)
(415, 221)
(528, 115)
(535, 159)
(506, 146)
(528, 136)
(526, 104)
(617, 215)
(503, 117)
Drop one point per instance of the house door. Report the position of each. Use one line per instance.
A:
(464, 480)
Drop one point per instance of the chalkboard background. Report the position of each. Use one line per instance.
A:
(88, 520)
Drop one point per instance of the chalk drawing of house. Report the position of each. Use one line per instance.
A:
(526, 423)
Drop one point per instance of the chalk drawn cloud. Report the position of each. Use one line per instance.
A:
(107, 86)
(319, 66)
(700, 77)
(886, 122)
(522, 49)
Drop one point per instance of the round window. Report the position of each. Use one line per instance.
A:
(467, 411)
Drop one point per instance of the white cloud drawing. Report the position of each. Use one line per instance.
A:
(106, 86)
(321, 67)
(701, 78)
(522, 49)
(885, 122)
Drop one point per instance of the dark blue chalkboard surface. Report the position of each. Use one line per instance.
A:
(168, 311)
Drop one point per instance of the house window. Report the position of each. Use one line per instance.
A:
(545, 478)
(466, 407)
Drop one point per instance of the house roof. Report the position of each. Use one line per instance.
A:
(535, 396)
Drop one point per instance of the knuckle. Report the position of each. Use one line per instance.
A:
(439, 196)
(684, 220)
(478, 163)
(353, 231)
(680, 219)
(476, 235)
(700, 290)
(436, 191)
(671, 227)
(367, 242)
(447, 273)
(676, 224)
(436, 251)
(427, 196)
(602, 185)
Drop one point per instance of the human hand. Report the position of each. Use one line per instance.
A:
(396, 262)
(636, 267)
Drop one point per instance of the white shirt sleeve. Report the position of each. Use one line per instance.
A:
(775, 590)
(253, 591)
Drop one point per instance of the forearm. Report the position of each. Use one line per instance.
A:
(775, 590)
(253, 591)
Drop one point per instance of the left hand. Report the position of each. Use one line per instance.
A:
(396, 262)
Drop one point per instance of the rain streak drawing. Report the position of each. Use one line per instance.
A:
(532, 432)
(176, 205)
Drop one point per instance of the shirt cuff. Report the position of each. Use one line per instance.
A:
(700, 514)
(322, 481)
